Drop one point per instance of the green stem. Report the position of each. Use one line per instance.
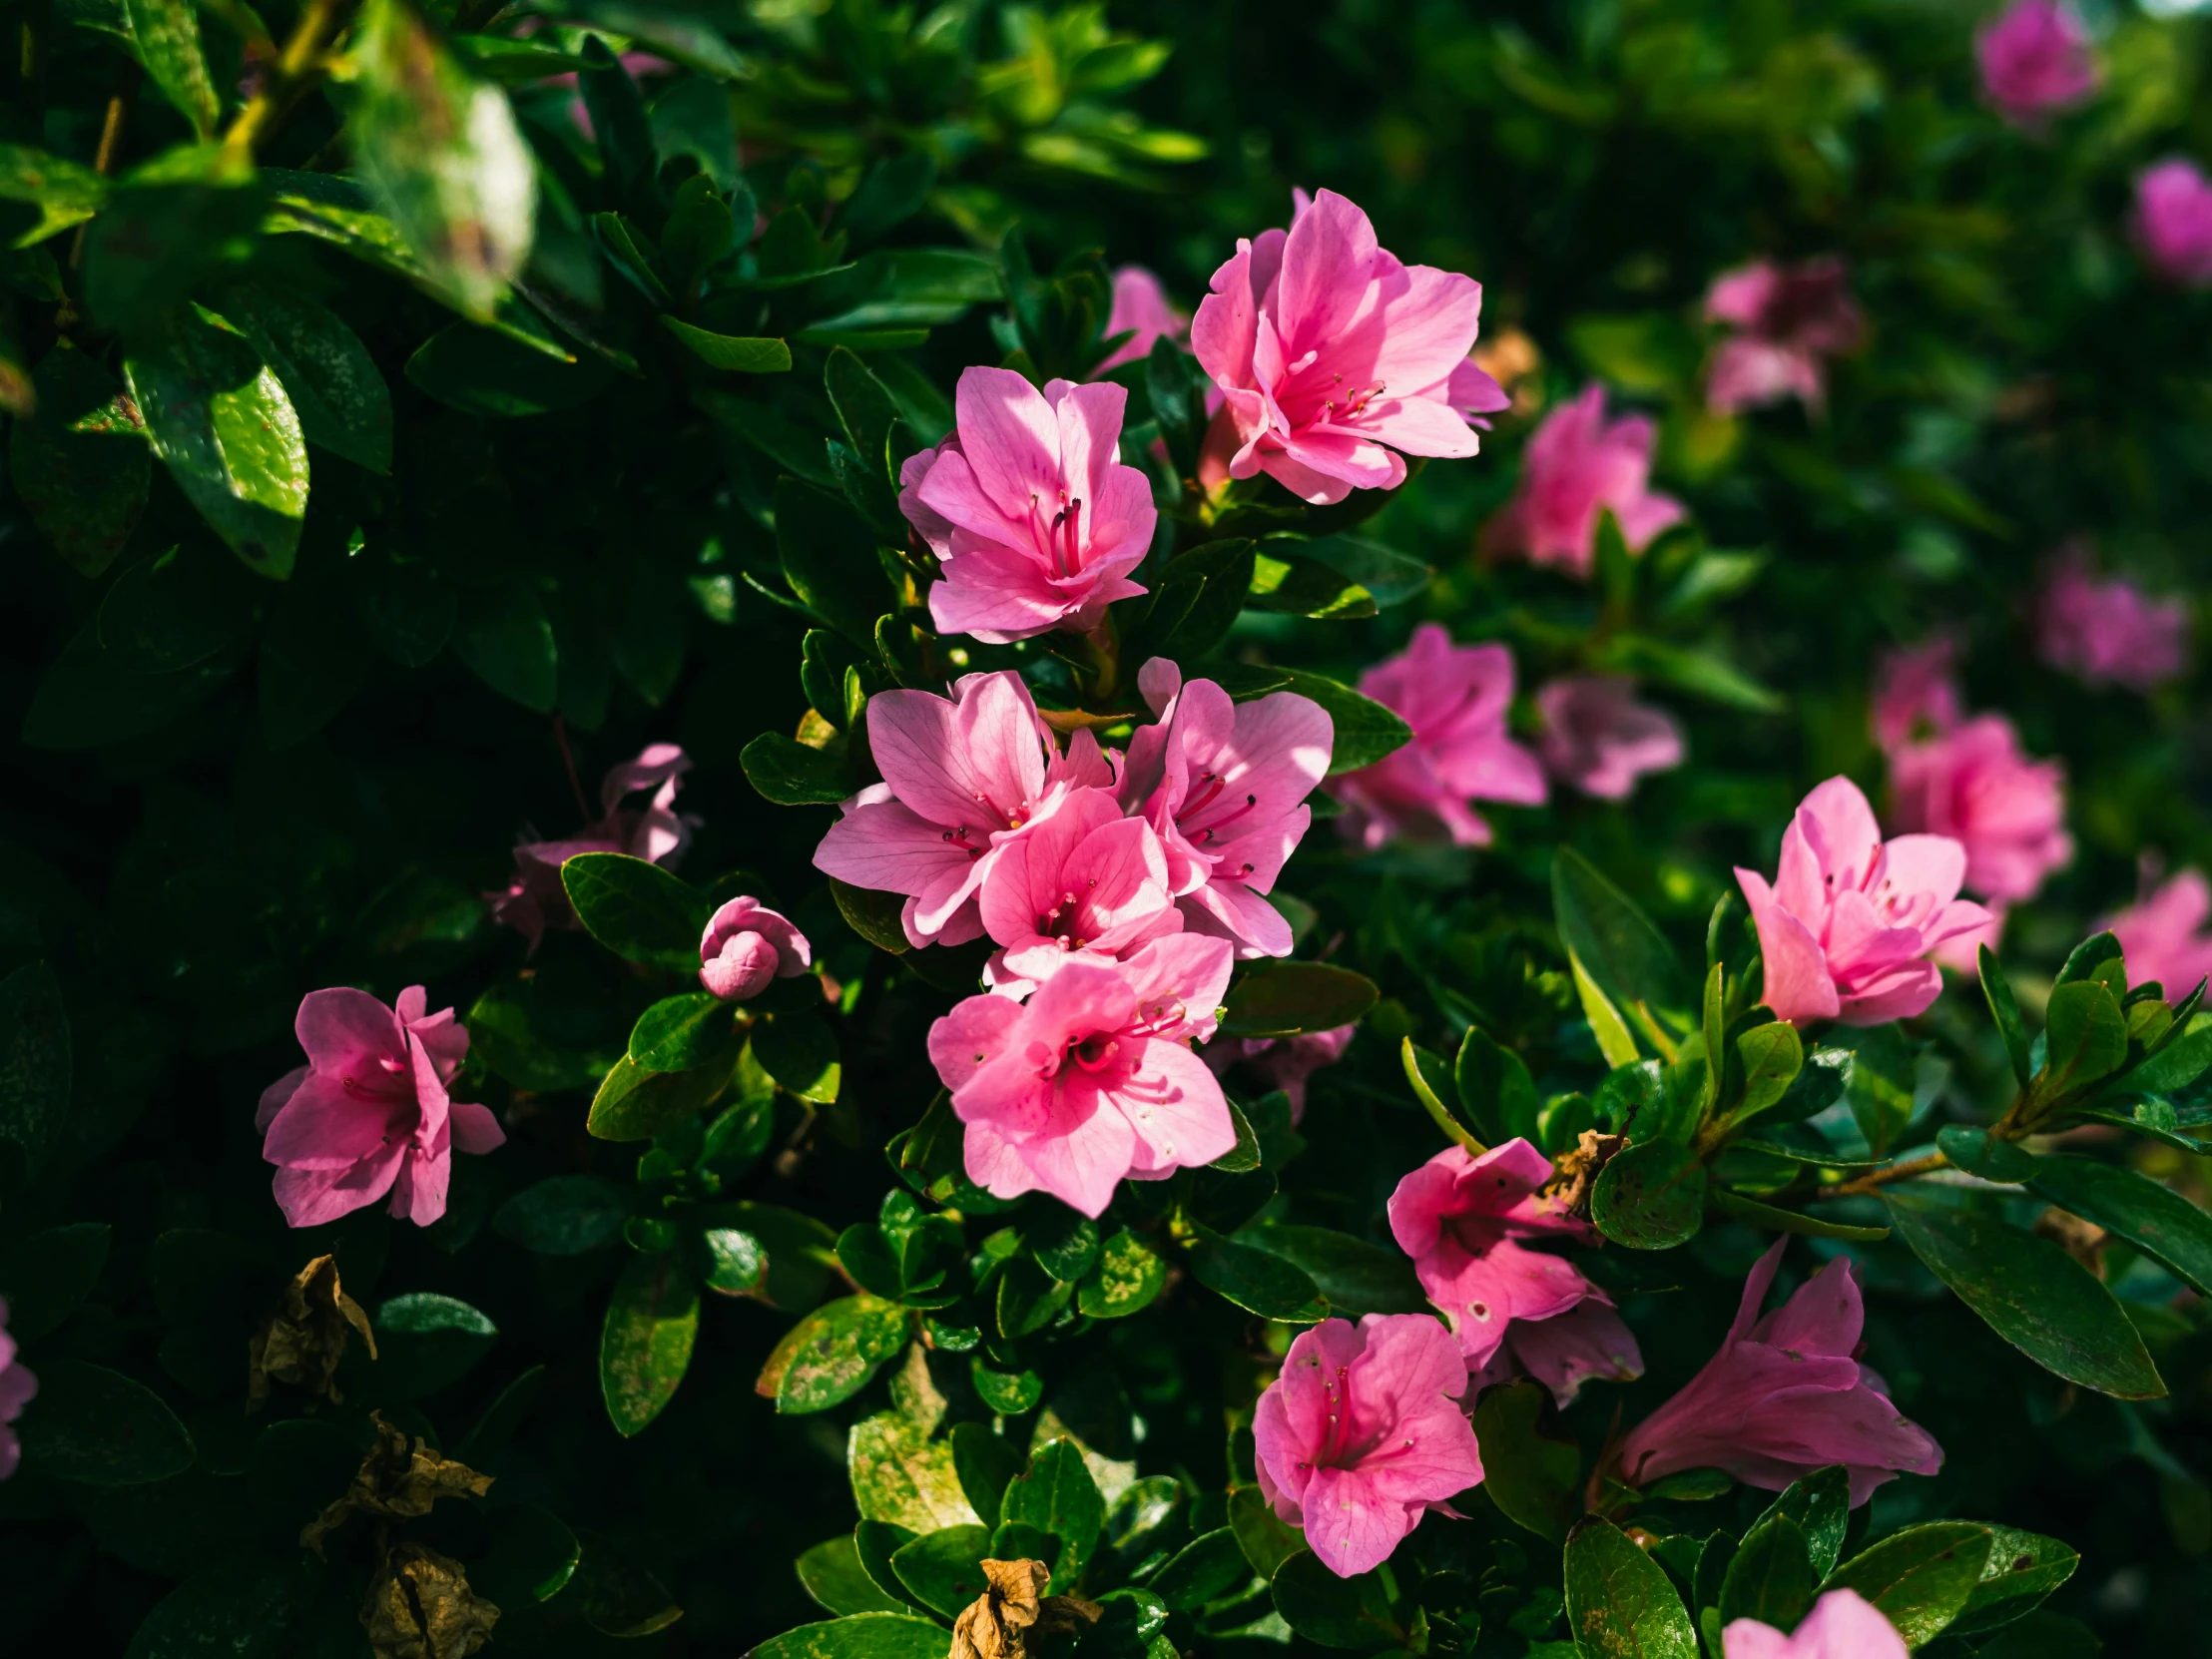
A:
(302, 63)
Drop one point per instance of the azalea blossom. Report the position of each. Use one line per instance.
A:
(747, 944)
(1578, 465)
(1225, 785)
(1140, 307)
(1846, 926)
(1785, 1395)
(1085, 881)
(1915, 694)
(2163, 933)
(1455, 700)
(2108, 632)
(1599, 739)
(1091, 1079)
(1974, 784)
(1788, 321)
(17, 1389)
(368, 1114)
(1038, 522)
(2035, 61)
(1364, 1433)
(1514, 1310)
(1284, 1063)
(1842, 1625)
(535, 900)
(1334, 359)
(2172, 221)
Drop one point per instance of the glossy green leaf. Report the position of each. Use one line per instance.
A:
(637, 909)
(1332, 1611)
(645, 1346)
(1619, 1602)
(2155, 1219)
(1779, 1220)
(1532, 1477)
(984, 1461)
(1364, 730)
(341, 400)
(80, 463)
(1281, 999)
(945, 1568)
(168, 36)
(829, 558)
(564, 1215)
(863, 1635)
(831, 1573)
(1494, 1089)
(2086, 1039)
(2004, 1008)
(483, 372)
(1355, 1277)
(1207, 1569)
(831, 1353)
(799, 1052)
(1977, 1152)
(1625, 956)
(2023, 1569)
(427, 1341)
(1128, 1276)
(63, 192)
(1919, 1578)
(98, 1427)
(1820, 1504)
(678, 1032)
(1650, 1196)
(725, 352)
(1255, 1281)
(1056, 1494)
(1771, 1577)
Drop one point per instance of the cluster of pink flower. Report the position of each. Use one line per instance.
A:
(2108, 631)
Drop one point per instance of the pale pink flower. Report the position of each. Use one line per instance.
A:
(368, 1113)
(1785, 1395)
(1327, 349)
(1599, 739)
(1514, 1310)
(747, 944)
(1789, 320)
(1577, 466)
(1281, 1062)
(535, 900)
(1973, 785)
(1456, 699)
(1364, 1433)
(1141, 308)
(1850, 919)
(2035, 61)
(1842, 1625)
(1915, 694)
(17, 1387)
(1084, 882)
(2110, 632)
(2172, 221)
(2163, 933)
(1038, 522)
(1091, 1079)
(1225, 785)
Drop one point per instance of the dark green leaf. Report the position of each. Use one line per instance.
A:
(1819, 1503)
(168, 37)
(1771, 1577)
(2097, 959)
(1650, 1196)
(1495, 1090)
(2023, 1569)
(645, 1346)
(2155, 1219)
(35, 1060)
(984, 1461)
(1773, 1057)
(98, 1427)
(80, 463)
(1977, 1152)
(1127, 1277)
(406, 612)
(637, 909)
(311, 661)
(427, 1341)
(829, 558)
(1622, 952)
(732, 1262)
(2086, 1039)
(63, 192)
(1790, 1221)
(860, 1636)
(1619, 1602)
(1056, 1494)
(787, 772)
(1203, 1570)
(564, 1215)
(1918, 1578)
(506, 639)
(238, 1609)
(1356, 1277)
(830, 1355)
(682, 1031)
(634, 1104)
(1282, 581)
(1530, 1476)
(1255, 1281)
(799, 1052)
(483, 372)
(1282, 999)
(1365, 732)
(2004, 1008)
(44, 1274)
(343, 402)
(831, 1573)
(728, 352)
(1333, 1612)
(945, 1568)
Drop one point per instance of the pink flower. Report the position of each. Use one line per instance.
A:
(1140, 305)
(1973, 785)
(961, 776)
(1598, 737)
(1842, 1625)
(1462, 1219)
(17, 1387)
(1789, 320)
(1225, 785)
(2110, 632)
(1029, 507)
(535, 900)
(1084, 882)
(1327, 349)
(2172, 223)
(1915, 694)
(1577, 466)
(1784, 1396)
(2163, 933)
(1091, 1080)
(1456, 699)
(746, 946)
(2035, 61)
(1283, 1063)
(1362, 1434)
(1849, 919)
(368, 1113)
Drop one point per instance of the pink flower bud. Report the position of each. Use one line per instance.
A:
(746, 946)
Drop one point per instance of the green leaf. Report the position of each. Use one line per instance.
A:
(98, 1427)
(829, 558)
(1254, 1281)
(220, 421)
(1529, 1476)
(945, 1568)
(2086, 1039)
(1779, 1220)
(1195, 602)
(2004, 1008)
(168, 37)
(732, 1262)
(2173, 1068)
(831, 1353)
(1356, 1277)
(1390, 576)
(533, 1557)
(1918, 1578)
(1245, 1154)
(80, 463)
(241, 1608)
(1977, 1152)
(729, 352)
(1333, 1612)
(1699, 673)
(1625, 956)
(2032, 1294)
(645, 1346)
(1056, 1494)
(1365, 732)
(1267, 1540)
(1127, 1277)
(483, 371)
(2097, 959)
(1650, 1196)
(2154, 1218)
(312, 661)
(177, 608)
(797, 1050)
(680, 1032)
(64, 193)
(1284, 582)
(1619, 1602)
(427, 1341)
(1495, 1089)
(1203, 1570)
(341, 400)
(860, 1635)
(984, 1461)
(2023, 1569)
(35, 1060)
(45, 1276)
(637, 909)
(1773, 1055)
(564, 1215)
(634, 1104)
(440, 154)
(787, 772)
(1819, 1503)
(406, 612)
(1881, 1084)
(1283, 999)
(1771, 1577)
(831, 1573)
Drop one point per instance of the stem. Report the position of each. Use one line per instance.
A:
(1867, 1185)
(297, 69)
(111, 144)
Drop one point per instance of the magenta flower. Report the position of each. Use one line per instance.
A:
(1577, 466)
(1915, 694)
(1038, 522)
(1842, 1625)
(2172, 221)
(2110, 632)
(1456, 699)
(2163, 933)
(1091, 1080)
(1362, 1434)
(1336, 361)
(1514, 1310)
(17, 1387)
(368, 1113)
(535, 900)
(1849, 919)
(1140, 307)
(1225, 785)
(1784, 1396)
(747, 944)
(1973, 785)
(1789, 320)
(1599, 739)
(1084, 881)
(2035, 61)
(1281, 1062)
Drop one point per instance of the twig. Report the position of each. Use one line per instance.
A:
(1867, 1185)
(297, 67)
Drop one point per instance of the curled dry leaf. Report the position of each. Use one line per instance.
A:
(303, 1338)
(420, 1607)
(1578, 1171)
(1014, 1611)
(395, 1482)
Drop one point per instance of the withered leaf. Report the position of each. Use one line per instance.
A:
(1015, 1611)
(303, 1338)
(395, 1482)
(420, 1607)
